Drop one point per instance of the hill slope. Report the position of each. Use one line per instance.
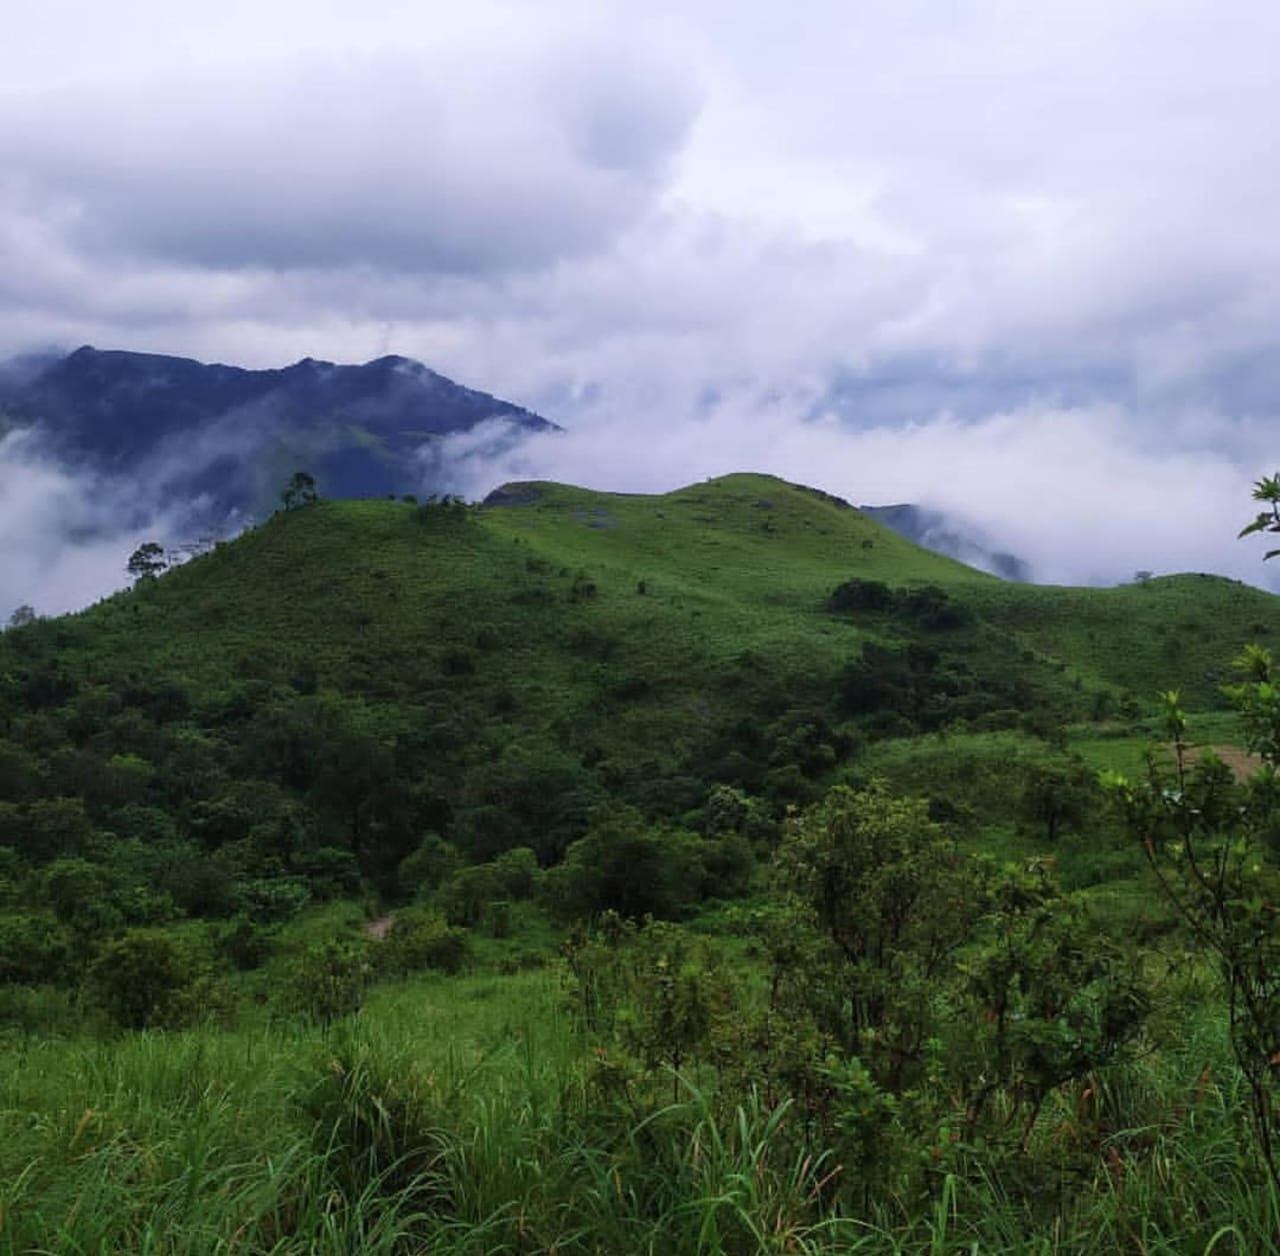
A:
(350, 676)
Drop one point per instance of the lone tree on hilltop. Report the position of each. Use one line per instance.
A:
(300, 491)
(147, 561)
(23, 616)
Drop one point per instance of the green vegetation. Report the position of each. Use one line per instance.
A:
(714, 872)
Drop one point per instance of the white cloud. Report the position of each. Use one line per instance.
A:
(1069, 491)
(65, 537)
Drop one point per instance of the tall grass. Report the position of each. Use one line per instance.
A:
(459, 1116)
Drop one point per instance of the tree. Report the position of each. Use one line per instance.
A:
(147, 561)
(1058, 797)
(145, 978)
(23, 616)
(300, 491)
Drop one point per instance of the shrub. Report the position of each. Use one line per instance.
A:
(330, 978)
(273, 900)
(626, 867)
(468, 894)
(244, 944)
(145, 979)
(82, 896)
(330, 871)
(498, 919)
(516, 873)
(861, 595)
(421, 938)
(33, 950)
(729, 862)
(428, 868)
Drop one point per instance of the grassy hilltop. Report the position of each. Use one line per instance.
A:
(702, 575)
(585, 872)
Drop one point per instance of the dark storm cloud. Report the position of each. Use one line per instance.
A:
(388, 161)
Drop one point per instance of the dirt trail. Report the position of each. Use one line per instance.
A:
(1242, 764)
(378, 928)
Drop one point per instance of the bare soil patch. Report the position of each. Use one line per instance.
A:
(1242, 764)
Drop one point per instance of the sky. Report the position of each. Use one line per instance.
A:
(1016, 261)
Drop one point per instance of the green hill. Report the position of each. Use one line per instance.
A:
(561, 643)
(367, 671)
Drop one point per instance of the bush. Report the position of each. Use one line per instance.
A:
(498, 919)
(626, 867)
(33, 950)
(330, 978)
(145, 979)
(274, 900)
(729, 863)
(421, 938)
(82, 896)
(428, 868)
(861, 595)
(330, 872)
(516, 873)
(244, 944)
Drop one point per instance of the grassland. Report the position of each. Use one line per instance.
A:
(463, 1115)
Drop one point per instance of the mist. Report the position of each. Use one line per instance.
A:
(1071, 492)
(65, 537)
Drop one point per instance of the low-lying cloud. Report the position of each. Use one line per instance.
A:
(66, 536)
(1074, 492)
(1069, 491)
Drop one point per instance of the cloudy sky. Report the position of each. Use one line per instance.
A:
(1015, 260)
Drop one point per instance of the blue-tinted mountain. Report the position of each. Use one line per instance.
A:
(934, 530)
(226, 436)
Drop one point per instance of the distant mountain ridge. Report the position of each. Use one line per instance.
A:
(211, 444)
(934, 530)
(226, 435)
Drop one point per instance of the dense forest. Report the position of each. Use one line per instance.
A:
(579, 872)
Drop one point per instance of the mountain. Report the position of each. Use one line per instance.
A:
(217, 441)
(223, 437)
(945, 535)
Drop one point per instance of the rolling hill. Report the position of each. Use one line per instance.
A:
(736, 564)
(499, 673)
